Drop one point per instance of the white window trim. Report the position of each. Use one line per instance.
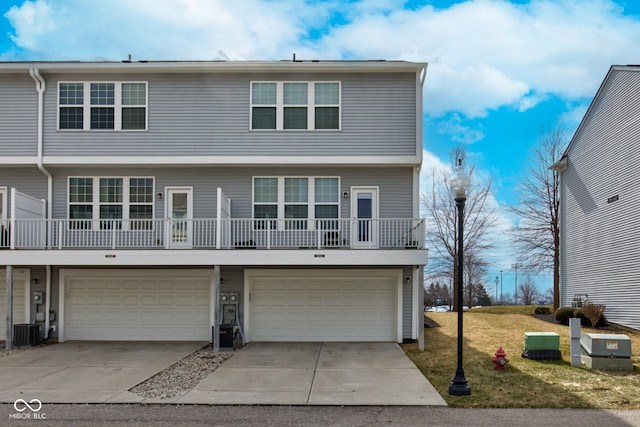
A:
(311, 199)
(117, 107)
(311, 106)
(126, 204)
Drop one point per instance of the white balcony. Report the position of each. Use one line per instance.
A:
(230, 233)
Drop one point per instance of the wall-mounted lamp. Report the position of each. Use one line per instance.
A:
(35, 280)
(345, 195)
(159, 195)
(407, 279)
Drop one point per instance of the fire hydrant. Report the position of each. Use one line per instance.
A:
(501, 359)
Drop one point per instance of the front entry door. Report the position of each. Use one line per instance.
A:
(364, 212)
(180, 214)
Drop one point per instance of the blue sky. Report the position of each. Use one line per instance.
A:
(499, 71)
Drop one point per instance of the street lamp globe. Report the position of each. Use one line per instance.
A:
(460, 182)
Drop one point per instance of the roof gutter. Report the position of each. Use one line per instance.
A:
(41, 86)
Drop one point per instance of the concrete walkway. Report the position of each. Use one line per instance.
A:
(316, 374)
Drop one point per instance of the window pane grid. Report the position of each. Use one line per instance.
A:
(102, 93)
(71, 94)
(134, 94)
(327, 118)
(102, 118)
(266, 190)
(295, 93)
(296, 190)
(263, 118)
(326, 190)
(80, 190)
(263, 93)
(295, 118)
(110, 190)
(80, 212)
(134, 118)
(327, 93)
(71, 118)
(141, 190)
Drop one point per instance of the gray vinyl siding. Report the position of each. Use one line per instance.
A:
(600, 249)
(207, 114)
(395, 186)
(28, 180)
(18, 115)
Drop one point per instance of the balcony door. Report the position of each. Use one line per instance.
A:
(180, 213)
(364, 212)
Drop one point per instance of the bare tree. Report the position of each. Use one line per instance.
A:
(537, 236)
(442, 233)
(475, 268)
(528, 291)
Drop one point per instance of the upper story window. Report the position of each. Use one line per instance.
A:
(295, 105)
(102, 105)
(116, 201)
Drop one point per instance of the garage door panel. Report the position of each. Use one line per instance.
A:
(332, 308)
(133, 305)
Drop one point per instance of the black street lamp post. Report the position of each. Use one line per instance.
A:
(459, 187)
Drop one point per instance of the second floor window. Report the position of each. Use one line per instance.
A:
(102, 106)
(297, 200)
(295, 106)
(114, 201)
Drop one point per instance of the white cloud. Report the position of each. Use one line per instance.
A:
(482, 54)
(458, 131)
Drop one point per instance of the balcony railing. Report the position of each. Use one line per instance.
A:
(213, 234)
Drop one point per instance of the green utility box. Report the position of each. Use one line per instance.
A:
(606, 351)
(542, 346)
(541, 341)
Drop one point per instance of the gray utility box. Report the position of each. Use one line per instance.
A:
(606, 351)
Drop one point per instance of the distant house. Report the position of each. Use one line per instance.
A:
(600, 201)
(131, 192)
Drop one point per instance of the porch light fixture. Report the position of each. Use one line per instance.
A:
(345, 195)
(459, 187)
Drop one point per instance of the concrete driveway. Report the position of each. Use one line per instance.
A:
(86, 372)
(316, 374)
(260, 373)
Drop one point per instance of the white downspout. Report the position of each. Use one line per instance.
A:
(41, 86)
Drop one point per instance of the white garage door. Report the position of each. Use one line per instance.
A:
(19, 310)
(146, 305)
(321, 306)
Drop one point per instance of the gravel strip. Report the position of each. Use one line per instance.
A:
(183, 375)
(4, 352)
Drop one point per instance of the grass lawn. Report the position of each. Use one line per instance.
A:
(525, 383)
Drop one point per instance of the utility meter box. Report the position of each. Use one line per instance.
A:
(542, 346)
(606, 351)
(541, 341)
